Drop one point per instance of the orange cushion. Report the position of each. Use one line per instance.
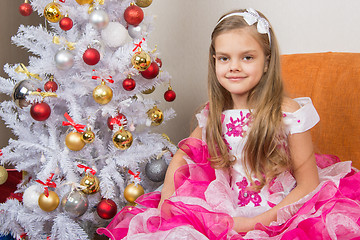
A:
(332, 80)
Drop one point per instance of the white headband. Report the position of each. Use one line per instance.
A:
(251, 16)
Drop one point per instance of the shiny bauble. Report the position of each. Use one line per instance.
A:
(133, 15)
(99, 19)
(135, 32)
(122, 139)
(129, 84)
(40, 111)
(83, 2)
(50, 86)
(75, 203)
(156, 116)
(155, 169)
(114, 35)
(3, 175)
(148, 91)
(74, 142)
(159, 62)
(91, 56)
(31, 196)
(49, 203)
(88, 136)
(141, 60)
(64, 59)
(52, 12)
(66, 23)
(133, 191)
(119, 120)
(102, 94)
(21, 90)
(106, 209)
(143, 3)
(25, 9)
(151, 72)
(169, 95)
(91, 183)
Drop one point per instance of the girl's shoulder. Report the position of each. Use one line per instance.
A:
(290, 105)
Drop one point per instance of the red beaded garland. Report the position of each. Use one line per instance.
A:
(169, 95)
(66, 23)
(40, 111)
(91, 56)
(129, 84)
(25, 9)
(133, 15)
(151, 72)
(117, 120)
(106, 208)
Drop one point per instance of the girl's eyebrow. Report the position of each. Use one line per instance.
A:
(245, 52)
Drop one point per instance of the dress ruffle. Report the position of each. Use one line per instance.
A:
(203, 206)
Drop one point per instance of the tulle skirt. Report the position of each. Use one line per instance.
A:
(201, 207)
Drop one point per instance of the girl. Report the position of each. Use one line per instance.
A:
(248, 171)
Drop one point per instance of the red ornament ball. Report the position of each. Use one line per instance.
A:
(106, 208)
(25, 9)
(151, 72)
(169, 95)
(159, 62)
(117, 120)
(133, 15)
(129, 84)
(66, 23)
(50, 86)
(40, 111)
(91, 56)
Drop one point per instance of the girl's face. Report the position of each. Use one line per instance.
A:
(240, 63)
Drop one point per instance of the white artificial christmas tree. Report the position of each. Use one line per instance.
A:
(85, 129)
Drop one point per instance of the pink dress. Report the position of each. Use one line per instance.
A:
(206, 200)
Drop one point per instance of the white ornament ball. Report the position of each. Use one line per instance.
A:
(99, 19)
(31, 196)
(64, 59)
(114, 35)
(136, 32)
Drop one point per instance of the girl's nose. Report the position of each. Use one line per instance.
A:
(235, 66)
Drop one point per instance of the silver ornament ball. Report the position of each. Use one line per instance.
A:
(135, 32)
(75, 203)
(99, 19)
(155, 169)
(21, 90)
(64, 59)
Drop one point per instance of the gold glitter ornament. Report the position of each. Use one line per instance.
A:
(49, 203)
(74, 142)
(88, 136)
(143, 3)
(91, 182)
(122, 139)
(52, 12)
(141, 60)
(102, 94)
(83, 2)
(133, 191)
(3, 175)
(156, 116)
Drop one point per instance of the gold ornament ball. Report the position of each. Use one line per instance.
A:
(132, 192)
(102, 94)
(148, 91)
(143, 3)
(156, 116)
(122, 139)
(74, 142)
(49, 203)
(88, 136)
(52, 12)
(91, 183)
(83, 2)
(141, 61)
(3, 175)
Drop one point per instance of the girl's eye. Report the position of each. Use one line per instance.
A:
(223, 59)
(248, 58)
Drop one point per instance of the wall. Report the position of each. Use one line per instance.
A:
(182, 34)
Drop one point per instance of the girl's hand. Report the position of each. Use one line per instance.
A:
(243, 224)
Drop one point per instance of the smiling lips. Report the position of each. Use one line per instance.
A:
(235, 78)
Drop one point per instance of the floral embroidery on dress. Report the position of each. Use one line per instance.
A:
(247, 196)
(236, 127)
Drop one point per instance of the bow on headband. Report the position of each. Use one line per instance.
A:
(251, 16)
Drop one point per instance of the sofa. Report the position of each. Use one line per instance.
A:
(332, 81)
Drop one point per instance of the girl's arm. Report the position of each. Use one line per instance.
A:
(176, 162)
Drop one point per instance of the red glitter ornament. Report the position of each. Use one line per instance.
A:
(159, 62)
(25, 9)
(133, 15)
(129, 84)
(40, 111)
(66, 23)
(106, 208)
(117, 120)
(169, 95)
(91, 56)
(50, 86)
(151, 72)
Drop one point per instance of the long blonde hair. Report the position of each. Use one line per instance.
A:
(262, 155)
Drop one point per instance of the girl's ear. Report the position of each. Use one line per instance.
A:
(266, 67)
